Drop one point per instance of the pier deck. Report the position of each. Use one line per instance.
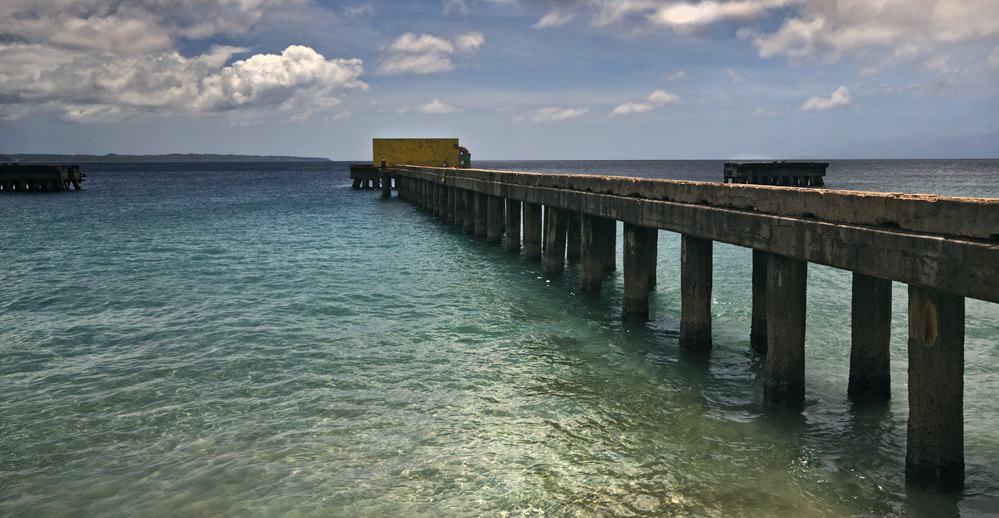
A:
(39, 178)
(943, 248)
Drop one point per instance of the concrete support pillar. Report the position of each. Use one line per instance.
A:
(696, 256)
(494, 219)
(452, 209)
(640, 255)
(597, 247)
(610, 253)
(758, 327)
(481, 200)
(784, 377)
(934, 458)
(512, 225)
(870, 333)
(556, 225)
(532, 230)
(442, 201)
(386, 187)
(468, 222)
(573, 245)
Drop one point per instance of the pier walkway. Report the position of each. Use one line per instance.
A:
(945, 249)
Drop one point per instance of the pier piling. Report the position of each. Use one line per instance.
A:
(640, 257)
(934, 457)
(532, 231)
(468, 222)
(784, 377)
(598, 236)
(512, 225)
(556, 226)
(481, 202)
(696, 256)
(494, 219)
(573, 237)
(758, 325)
(870, 336)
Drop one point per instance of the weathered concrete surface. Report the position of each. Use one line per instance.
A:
(950, 216)
(696, 257)
(962, 266)
(640, 257)
(870, 336)
(513, 225)
(758, 325)
(556, 225)
(784, 376)
(934, 457)
(598, 236)
(573, 237)
(494, 219)
(532, 231)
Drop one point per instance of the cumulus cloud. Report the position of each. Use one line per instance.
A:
(554, 18)
(839, 97)
(654, 100)
(437, 107)
(555, 114)
(709, 11)
(100, 60)
(427, 54)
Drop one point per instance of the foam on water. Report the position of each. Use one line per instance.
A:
(196, 340)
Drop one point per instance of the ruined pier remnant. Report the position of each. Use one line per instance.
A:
(945, 249)
(799, 174)
(16, 178)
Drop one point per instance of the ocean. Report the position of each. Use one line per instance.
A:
(262, 340)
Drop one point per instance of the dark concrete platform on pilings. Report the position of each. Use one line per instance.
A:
(799, 174)
(20, 178)
(944, 248)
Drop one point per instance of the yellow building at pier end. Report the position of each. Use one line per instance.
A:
(433, 152)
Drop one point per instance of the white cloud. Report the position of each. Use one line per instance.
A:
(555, 114)
(840, 97)
(427, 54)
(100, 60)
(676, 75)
(685, 14)
(437, 107)
(656, 99)
(554, 18)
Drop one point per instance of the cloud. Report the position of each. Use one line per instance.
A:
(554, 18)
(555, 114)
(684, 14)
(437, 107)
(427, 54)
(656, 99)
(99, 60)
(840, 97)
(676, 75)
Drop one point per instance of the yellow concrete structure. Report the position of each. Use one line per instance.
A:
(433, 152)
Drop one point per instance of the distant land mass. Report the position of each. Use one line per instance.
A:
(28, 158)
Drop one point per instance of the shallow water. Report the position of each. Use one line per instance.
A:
(257, 339)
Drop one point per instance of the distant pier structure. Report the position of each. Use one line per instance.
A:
(16, 177)
(796, 174)
(945, 249)
(391, 152)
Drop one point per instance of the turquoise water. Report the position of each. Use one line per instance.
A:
(259, 340)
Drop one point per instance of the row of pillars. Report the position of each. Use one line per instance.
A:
(935, 440)
(37, 186)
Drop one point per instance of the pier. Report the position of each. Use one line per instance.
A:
(39, 178)
(945, 249)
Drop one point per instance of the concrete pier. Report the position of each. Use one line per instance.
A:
(532, 231)
(22, 178)
(597, 250)
(934, 457)
(696, 256)
(468, 223)
(640, 255)
(573, 244)
(784, 377)
(494, 219)
(945, 249)
(870, 336)
(512, 225)
(481, 214)
(556, 226)
(758, 324)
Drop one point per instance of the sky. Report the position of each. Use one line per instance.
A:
(513, 79)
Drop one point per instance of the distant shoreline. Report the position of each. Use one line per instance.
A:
(35, 158)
